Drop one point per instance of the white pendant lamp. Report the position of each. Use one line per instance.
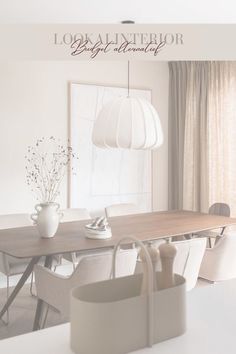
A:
(129, 123)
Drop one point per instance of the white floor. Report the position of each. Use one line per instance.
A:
(23, 308)
(22, 313)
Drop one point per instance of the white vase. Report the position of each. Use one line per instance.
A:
(47, 218)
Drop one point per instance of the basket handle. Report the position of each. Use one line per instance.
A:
(150, 277)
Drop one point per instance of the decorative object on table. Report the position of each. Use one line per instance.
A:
(120, 318)
(46, 165)
(155, 257)
(167, 253)
(47, 218)
(187, 261)
(98, 229)
(128, 122)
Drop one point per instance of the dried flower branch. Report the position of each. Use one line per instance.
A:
(46, 165)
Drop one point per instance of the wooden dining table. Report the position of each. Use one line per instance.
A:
(25, 242)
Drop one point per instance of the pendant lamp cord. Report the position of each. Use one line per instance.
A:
(128, 78)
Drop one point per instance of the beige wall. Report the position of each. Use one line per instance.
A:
(104, 11)
(34, 103)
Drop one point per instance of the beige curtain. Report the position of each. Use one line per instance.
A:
(196, 153)
(177, 106)
(209, 144)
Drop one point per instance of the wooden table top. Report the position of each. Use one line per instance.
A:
(25, 242)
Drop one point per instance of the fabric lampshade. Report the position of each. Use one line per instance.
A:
(129, 123)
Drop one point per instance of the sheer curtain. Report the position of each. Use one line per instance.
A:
(177, 104)
(209, 144)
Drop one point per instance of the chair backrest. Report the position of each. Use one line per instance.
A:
(221, 209)
(93, 268)
(188, 259)
(10, 221)
(219, 262)
(121, 209)
(75, 214)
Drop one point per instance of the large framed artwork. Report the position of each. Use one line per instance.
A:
(103, 177)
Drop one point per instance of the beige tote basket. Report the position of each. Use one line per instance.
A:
(111, 317)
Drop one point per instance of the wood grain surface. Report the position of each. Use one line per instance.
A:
(25, 241)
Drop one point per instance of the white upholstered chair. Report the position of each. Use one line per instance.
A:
(121, 209)
(219, 262)
(55, 289)
(10, 266)
(74, 214)
(187, 261)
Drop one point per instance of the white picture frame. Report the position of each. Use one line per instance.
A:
(102, 177)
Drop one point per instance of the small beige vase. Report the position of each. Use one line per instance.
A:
(47, 218)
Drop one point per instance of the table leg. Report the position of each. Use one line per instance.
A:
(19, 285)
(40, 303)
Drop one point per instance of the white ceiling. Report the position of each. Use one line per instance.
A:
(110, 11)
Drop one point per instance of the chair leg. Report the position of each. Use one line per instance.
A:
(40, 302)
(45, 316)
(221, 234)
(31, 285)
(210, 244)
(58, 263)
(7, 288)
(73, 257)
